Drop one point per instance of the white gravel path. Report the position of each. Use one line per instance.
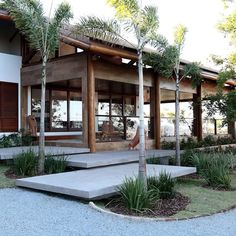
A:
(27, 213)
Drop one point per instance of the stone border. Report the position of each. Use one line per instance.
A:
(165, 219)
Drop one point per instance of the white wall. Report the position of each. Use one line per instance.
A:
(10, 66)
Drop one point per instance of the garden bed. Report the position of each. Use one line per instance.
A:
(196, 201)
(165, 207)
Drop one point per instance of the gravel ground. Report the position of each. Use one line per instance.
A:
(24, 213)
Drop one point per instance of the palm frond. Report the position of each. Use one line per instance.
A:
(150, 21)
(97, 28)
(62, 15)
(125, 9)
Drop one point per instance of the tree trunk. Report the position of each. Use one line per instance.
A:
(41, 159)
(142, 160)
(177, 138)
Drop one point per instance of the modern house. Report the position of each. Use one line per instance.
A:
(92, 93)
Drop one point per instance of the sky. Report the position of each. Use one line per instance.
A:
(199, 16)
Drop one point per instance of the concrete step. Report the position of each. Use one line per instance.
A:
(9, 153)
(92, 160)
(95, 183)
(66, 143)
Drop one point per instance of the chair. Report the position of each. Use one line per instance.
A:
(108, 130)
(32, 124)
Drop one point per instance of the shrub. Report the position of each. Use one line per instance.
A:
(209, 140)
(190, 143)
(215, 169)
(164, 184)
(55, 164)
(200, 161)
(25, 163)
(153, 160)
(186, 158)
(134, 195)
(16, 139)
(167, 145)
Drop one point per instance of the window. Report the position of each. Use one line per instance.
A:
(63, 109)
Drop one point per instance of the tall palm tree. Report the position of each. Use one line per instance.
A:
(167, 63)
(143, 23)
(43, 35)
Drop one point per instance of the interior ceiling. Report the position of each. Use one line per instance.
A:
(169, 95)
(116, 87)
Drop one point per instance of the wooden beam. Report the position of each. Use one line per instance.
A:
(14, 35)
(99, 48)
(197, 114)
(157, 116)
(29, 56)
(91, 105)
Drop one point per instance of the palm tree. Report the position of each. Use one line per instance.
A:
(143, 23)
(43, 35)
(167, 63)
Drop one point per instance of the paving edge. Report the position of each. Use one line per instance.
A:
(166, 219)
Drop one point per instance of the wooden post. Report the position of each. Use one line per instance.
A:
(232, 129)
(197, 114)
(91, 105)
(24, 107)
(157, 116)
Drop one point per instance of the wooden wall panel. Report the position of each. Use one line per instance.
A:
(121, 73)
(8, 107)
(65, 68)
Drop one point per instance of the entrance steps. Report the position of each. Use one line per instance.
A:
(109, 158)
(96, 183)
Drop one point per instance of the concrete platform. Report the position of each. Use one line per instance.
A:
(99, 159)
(8, 153)
(95, 183)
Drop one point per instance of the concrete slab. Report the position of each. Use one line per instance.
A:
(95, 183)
(99, 159)
(8, 153)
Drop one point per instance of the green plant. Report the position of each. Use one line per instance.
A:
(24, 164)
(214, 168)
(190, 143)
(166, 185)
(134, 195)
(16, 139)
(209, 140)
(55, 164)
(186, 158)
(167, 145)
(153, 160)
(200, 160)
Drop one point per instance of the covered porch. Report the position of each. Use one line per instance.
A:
(92, 102)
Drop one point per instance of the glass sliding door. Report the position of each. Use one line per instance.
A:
(36, 107)
(59, 110)
(76, 118)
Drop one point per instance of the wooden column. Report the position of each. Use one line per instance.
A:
(24, 107)
(91, 105)
(232, 129)
(197, 114)
(157, 116)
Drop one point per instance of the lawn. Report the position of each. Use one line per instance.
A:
(4, 181)
(204, 200)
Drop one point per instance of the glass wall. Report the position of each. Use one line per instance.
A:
(168, 119)
(117, 116)
(63, 111)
